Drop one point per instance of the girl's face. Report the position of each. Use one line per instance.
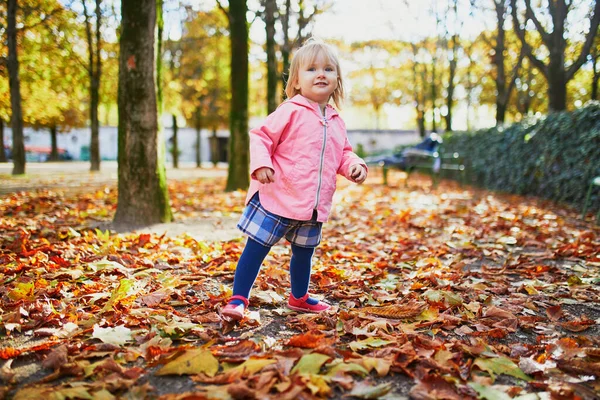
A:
(317, 81)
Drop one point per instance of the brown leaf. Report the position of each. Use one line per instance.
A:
(554, 313)
(239, 351)
(307, 340)
(56, 358)
(435, 387)
(578, 324)
(396, 311)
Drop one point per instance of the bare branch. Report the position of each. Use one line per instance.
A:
(515, 73)
(531, 15)
(526, 47)
(225, 10)
(589, 40)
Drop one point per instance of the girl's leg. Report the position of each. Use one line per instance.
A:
(300, 267)
(247, 269)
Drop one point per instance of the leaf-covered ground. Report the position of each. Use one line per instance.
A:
(451, 293)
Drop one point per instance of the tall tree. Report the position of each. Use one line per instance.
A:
(497, 41)
(18, 145)
(238, 176)
(418, 88)
(143, 195)
(595, 73)
(555, 71)
(203, 77)
(286, 47)
(453, 62)
(272, 98)
(2, 145)
(94, 68)
(305, 16)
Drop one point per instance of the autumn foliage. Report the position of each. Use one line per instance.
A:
(449, 293)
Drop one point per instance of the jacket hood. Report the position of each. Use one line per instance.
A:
(304, 102)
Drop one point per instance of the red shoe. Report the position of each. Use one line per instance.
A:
(235, 312)
(301, 305)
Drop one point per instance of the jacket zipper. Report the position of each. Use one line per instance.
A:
(324, 122)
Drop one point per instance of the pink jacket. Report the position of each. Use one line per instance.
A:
(306, 152)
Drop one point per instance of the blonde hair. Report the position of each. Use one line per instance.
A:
(306, 55)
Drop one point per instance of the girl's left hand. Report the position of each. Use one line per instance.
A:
(358, 173)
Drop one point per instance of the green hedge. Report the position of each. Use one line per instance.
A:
(554, 157)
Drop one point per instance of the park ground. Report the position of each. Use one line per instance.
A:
(439, 293)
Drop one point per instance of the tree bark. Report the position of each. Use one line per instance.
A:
(18, 145)
(270, 7)
(175, 144)
(239, 159)
(54, 143)
(143, 194)
(2, 145)
(555, 71)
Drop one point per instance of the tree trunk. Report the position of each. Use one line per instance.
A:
(452, 73)
(54, 143)
(433, 93)
(239, 159)
(18, 146)
(2, 145)
(214, 147)
(596, 75)
(557, 87)
(555, 71)
(94, 68)
(270, 6)
(143, 195)
(198, 137)
(286, 48)
(175, 144)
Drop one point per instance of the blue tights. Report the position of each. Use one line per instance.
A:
(249, 265)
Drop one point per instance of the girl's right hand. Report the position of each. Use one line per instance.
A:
(264, 175)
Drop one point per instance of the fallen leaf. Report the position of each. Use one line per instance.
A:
(191, 362)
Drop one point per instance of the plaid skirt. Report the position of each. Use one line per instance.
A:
(267, 228)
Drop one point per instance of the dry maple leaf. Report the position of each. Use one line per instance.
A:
(239, 350)
(309, 340)
(396, 311)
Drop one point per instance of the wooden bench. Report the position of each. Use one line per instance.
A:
(434, 162)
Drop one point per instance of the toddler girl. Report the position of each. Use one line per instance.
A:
(294, 159)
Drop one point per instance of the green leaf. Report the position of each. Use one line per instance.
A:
(191, 362)
(368, 343)
(486, 392)
(501, 365)
(310, 364)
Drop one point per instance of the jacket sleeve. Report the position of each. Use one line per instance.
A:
(265, 138)
(349, 158)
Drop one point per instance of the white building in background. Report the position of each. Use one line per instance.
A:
(77, 141)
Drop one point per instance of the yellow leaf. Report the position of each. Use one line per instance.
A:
(192, 362)
(380, 365)
(21, 291)
(310, 363)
